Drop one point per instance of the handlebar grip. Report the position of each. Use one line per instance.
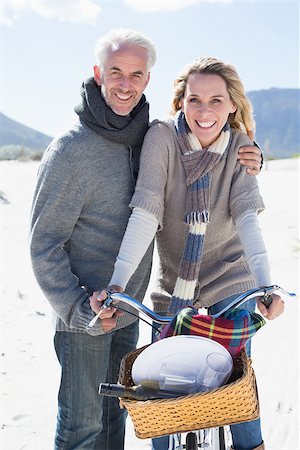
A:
(267, 300)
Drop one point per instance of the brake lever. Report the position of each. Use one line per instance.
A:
(106, 304)
(266, 299)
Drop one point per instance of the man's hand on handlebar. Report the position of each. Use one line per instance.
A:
(274, 310)
(108, 316)
(251, 157)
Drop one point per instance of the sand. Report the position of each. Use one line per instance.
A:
(30, 372)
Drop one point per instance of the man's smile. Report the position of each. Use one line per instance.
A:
(123, 97)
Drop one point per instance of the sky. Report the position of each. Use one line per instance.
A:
(47, 48)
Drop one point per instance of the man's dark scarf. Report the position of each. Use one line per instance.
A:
(128, 130)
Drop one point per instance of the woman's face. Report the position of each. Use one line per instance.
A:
(206, 105)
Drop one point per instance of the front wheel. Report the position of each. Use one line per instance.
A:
(222, 443)
(220, 438)
(191, 441)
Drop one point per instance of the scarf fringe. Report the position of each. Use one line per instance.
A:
(196, 217)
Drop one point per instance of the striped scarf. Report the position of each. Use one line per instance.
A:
(198, 164)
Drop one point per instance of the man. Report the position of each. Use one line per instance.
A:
(79, 214)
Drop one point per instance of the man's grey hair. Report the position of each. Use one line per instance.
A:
(116, 38)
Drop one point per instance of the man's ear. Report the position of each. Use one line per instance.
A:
(147, 81)
(97, 76)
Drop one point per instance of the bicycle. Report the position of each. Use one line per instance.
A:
(213, 438)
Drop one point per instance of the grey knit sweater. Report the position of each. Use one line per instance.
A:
(79, 215)
(161, 190)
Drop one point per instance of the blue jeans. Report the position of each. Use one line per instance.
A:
(247, 435)
(87, 420)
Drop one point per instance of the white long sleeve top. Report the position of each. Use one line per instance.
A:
(141, 230)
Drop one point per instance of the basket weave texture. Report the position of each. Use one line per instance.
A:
(235, 402)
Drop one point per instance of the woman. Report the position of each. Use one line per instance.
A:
(202, 206)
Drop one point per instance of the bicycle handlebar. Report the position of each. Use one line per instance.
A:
(114, 298)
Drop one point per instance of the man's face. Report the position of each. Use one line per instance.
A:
(123, 78)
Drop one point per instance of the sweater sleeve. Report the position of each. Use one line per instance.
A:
(244, 192)
(58, 196)
(153, 172)
(250, 234)
(139, 233)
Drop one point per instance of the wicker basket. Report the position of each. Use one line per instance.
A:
(235, 402)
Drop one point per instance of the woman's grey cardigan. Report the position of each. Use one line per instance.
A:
(161, 190)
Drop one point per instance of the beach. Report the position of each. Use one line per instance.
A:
(29, 369)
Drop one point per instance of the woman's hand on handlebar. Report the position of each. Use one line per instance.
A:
(274, 310)
(108, 316)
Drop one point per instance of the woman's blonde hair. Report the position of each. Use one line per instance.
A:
(242, 118)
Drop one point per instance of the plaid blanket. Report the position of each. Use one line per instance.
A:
(232, 330)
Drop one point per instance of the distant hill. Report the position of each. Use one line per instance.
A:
(277, 116)
(14, 133)
(276, 112)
